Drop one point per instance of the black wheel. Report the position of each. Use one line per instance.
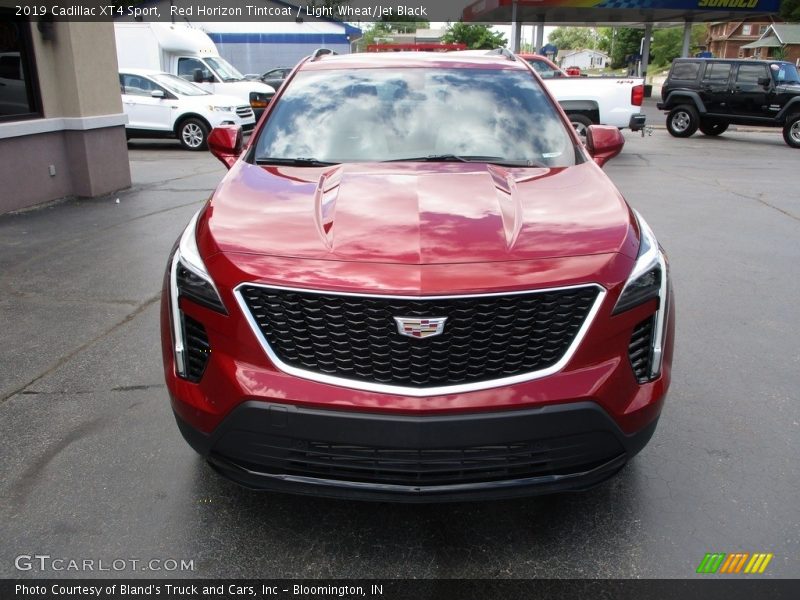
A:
(713, 127)
(581, 124)
(193, 134)
(791, 131)
(682, 121)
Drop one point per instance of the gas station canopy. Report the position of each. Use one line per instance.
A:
(615, 12)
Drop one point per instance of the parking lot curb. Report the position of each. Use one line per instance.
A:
(737, 129)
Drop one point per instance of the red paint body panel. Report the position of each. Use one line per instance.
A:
(416, 213)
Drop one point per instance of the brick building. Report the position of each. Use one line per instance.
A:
(726, 38)
(780, 40)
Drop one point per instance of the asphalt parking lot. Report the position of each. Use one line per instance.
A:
(93, 466)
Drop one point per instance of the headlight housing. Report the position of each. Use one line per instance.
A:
(644, 282)
(648, 280)
(259, 100)
(189, 278)
(222, 108)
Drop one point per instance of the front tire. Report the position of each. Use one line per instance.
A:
(193, 134)
(683, 121)
(791, 131)
(713, 127)
(581, 124)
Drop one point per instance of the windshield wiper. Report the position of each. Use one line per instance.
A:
(494, 160)
(295, 162)
(437, 158)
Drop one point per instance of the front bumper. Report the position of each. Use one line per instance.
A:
(432, 458)
(637, 122)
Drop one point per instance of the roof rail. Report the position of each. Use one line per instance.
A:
(503, 52)
(320, 52)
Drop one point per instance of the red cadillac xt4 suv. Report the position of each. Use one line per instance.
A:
(415, 283)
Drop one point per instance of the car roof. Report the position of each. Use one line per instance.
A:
(464, 59)
(144, 72)
(755, 61)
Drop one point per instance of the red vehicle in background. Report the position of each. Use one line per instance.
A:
(416, 47)
(545, 67)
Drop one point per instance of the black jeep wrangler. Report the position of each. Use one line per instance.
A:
(712, 93)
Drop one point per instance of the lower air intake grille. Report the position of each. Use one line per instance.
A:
(197, 348)
(640, 349)
(402, 466)
(356, 337)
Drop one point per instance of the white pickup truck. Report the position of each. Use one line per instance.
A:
(588, 101)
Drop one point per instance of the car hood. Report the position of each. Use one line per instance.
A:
(212, 100)
(245, 86)
(417, 213)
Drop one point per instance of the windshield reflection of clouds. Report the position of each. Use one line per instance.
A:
(382, 114)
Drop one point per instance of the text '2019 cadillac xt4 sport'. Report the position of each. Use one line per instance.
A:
(416, 284)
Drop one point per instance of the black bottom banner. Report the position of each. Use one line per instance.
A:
(397, 589)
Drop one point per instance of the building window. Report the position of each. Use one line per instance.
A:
(19, 90)
(746, 29)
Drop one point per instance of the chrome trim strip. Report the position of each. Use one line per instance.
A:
(419, 392)
(177, 317)
(661, 318)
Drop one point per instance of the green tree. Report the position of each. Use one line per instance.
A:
(474, 36)
(573, 38)
(790, 10)
(619, 43)
(384, 29)
(667, 43)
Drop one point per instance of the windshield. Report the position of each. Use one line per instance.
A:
(225, 70)
(784, 73)
(179, 86)
(367, 115)
(542, 68)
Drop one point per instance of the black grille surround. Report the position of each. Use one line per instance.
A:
(423, 458)
(416, 466)
(353, 339)
(640, 349)
(198, 349)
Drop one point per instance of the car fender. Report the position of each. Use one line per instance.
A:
(790, 107)
(681, 97)
(189, 115)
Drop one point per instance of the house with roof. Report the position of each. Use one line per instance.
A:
(584, 59)
(726, 38)
(780, 41)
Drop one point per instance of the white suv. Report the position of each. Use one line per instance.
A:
(162, 105)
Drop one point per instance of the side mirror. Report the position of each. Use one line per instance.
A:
(157, 94)
(603, 142)
(197, 76)
(764, 81)
(226, 143)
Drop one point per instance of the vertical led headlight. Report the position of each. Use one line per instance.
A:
(189, 278)
(647, 281)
